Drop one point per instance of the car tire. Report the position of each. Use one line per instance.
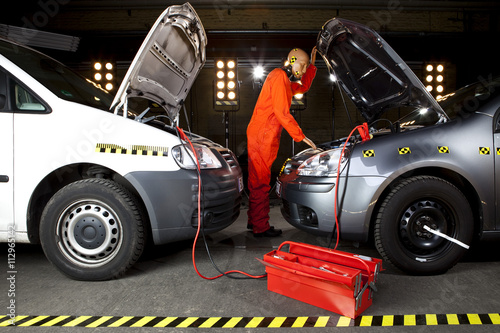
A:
(92, 230)
(413, 203)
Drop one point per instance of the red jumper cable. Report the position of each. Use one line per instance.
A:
(365, 136)
(185, 138)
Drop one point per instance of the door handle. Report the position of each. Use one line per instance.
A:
(4, 179)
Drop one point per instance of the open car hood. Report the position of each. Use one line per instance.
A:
(369, 71)
(167, 62)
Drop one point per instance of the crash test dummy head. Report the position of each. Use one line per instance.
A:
(298, 60)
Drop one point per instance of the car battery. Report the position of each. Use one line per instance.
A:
(337, 281)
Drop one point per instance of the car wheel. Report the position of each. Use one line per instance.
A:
(416, 202)
(92, 230)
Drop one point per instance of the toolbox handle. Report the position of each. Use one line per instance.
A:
(316, 248)
(304, 274)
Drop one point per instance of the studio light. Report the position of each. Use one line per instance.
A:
(105, 72)
(299, 102)
(226, 88)
(436, 78)
(258, 72)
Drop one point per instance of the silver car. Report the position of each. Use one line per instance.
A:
(422, 187)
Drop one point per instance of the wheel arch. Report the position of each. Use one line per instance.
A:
(63, 176)
(451, 176)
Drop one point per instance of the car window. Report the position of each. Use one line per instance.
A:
(25, 100)
(56, 77)
(3, 90)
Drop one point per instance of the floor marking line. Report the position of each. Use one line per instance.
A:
(253, 322)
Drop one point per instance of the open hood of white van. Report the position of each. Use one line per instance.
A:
(167, 62)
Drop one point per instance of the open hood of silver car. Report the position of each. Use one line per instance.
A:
(369, 71)
(167, 62)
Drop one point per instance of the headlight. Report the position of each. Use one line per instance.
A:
(186, 160)
(323, 164)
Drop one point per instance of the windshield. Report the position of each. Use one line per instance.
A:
(56, 77)
(419, 118)
(470, 98)
(463, 101)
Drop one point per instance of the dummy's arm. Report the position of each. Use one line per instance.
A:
(281, 107)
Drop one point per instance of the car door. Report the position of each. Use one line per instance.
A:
(6, 161)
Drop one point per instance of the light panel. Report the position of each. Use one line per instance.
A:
(435, 78)
(226, 88)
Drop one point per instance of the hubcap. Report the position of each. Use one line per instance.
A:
(415, 238)
(89, 233)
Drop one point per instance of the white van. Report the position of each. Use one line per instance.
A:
(90, 178)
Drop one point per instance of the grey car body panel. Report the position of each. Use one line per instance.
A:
(352, 213)
(173, 212)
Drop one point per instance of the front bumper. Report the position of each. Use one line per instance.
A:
(171, 200)
(308, 204)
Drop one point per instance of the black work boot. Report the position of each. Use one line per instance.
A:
(271, 232)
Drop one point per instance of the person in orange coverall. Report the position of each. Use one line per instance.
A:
(271, 114)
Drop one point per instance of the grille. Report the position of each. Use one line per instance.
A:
(230, 158)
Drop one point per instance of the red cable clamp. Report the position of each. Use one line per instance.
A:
(364, 132)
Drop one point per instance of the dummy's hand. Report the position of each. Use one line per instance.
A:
(313, 55)
(309, 142)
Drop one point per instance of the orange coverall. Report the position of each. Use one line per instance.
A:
(270, 116)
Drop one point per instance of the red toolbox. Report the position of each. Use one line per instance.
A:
(337, 281)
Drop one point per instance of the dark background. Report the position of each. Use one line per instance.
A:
(460, 34)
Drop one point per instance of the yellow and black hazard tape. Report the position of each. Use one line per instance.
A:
(440, 149)
(252, 322)
(133, 150)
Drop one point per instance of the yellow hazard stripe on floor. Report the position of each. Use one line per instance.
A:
(252, 322)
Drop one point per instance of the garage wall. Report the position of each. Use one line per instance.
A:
(459, 33)
(390, 16)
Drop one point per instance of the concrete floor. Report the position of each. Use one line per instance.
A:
(164, 284)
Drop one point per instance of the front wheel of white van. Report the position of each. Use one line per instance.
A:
(92, 230)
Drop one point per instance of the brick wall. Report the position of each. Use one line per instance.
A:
(393, 19)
